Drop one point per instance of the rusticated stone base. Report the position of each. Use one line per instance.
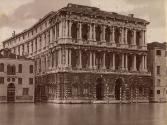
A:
(92, 88)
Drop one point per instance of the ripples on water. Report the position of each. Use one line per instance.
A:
(83, 114)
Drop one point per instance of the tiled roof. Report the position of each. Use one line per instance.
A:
(6, 53)
(154, 45)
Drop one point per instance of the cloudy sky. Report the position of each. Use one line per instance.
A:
(21, 14)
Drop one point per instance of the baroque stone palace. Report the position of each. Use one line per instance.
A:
(83, 54)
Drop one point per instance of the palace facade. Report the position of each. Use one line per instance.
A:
(84, 54)
(17, 81)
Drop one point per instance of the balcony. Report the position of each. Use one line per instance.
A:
(101, 43)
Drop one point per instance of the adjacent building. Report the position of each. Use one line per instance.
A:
(84, 54)
(16, 78)
(157, 64)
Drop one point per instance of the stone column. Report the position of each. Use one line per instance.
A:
(69, 57)
(94, 32)
(143, 38)
(51, 35)
(126, 61)
(20, 50)
(66, 57)
(145, 62)
(103, 33)
(94, 60)
(104, 60)
(113, 35)
(126, 36)
(66, 34)
(33, 45)
(123, 66)
(80, 30)
(55, 33)
(90, 31)
(113, 64)
(122, 36)
(134, 62)
(90, 60)
(59, 58)
(25, 48)
(80, 59)
(134, 37)
(70, 24)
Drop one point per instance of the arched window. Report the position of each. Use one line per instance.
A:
(74, 30)
(98, 33)
(107, 35)
(117, 36)
(75, 57)
(74, 90)
(129, 37)
(138, 38)
(85, 31)
(1, 67)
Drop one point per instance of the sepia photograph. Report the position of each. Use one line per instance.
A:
(83, 62)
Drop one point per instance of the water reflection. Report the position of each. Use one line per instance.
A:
(97, 114)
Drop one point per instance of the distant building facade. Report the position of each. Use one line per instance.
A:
(83, 53)
(16, 78)
(157, 64)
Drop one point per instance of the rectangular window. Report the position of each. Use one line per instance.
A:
(165, 53)
(1, 80)
(20, 68)
(158, 52)
(158, 82)
(1, 67)
(25, 91)
(158, 91)
(158, 70)
(31, 81)
(31, 69)
(19, 80)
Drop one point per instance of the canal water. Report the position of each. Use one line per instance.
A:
(83, 114)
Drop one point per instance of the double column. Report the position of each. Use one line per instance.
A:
(144, 62)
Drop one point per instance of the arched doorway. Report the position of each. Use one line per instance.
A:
(118, 84)
(99, 89)
(11, 93)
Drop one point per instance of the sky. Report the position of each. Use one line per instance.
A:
(18, 15)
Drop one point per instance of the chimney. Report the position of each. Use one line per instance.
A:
(14, 33)
(131, 15)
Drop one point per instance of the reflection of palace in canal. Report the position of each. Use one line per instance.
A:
(84, 53)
